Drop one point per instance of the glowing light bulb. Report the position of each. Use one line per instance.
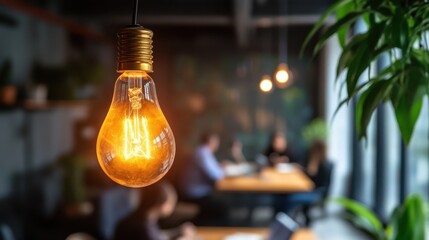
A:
(135, 145)
(282, 76)
(266, 85)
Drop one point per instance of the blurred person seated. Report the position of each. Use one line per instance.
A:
(203, 169)
(319, 169)
(157, 201)
(278, 151)
(235, 164)
(199, 176)
(236, 152)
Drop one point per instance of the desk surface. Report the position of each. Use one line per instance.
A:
(219, 233)
(269, 181)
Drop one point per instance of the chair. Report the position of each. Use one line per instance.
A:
(315, 198)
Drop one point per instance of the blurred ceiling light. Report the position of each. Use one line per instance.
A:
(282, 76)
(266, 85)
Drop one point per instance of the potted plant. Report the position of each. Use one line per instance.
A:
(407, 222)
(74, 188)
(7, 90)
(396, 29)
(316, 130)
(53, 80)
(87, 74)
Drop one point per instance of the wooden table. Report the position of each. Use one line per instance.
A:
(269, 181)
(219, 233)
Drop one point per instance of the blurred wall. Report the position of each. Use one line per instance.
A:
(32, 138)
(28, 41)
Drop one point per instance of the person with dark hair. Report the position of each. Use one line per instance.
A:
(278, 151)
(157, 201)
(198, 179)
(319, 169)
(236, 152)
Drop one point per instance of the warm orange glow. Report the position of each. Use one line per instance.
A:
(135, 145)
(266, 85)
(282, 75)
(136, 138)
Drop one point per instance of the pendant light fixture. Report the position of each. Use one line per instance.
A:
(266, 85)
(283, 76)
(135, 145)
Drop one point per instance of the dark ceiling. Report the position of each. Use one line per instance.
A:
(240, 17)
(191, 7)
(247, 22)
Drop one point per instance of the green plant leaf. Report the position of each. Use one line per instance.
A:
(361, 224)
(340, 105)
(392, 25)
(341, 23)
(349, 51)
(407, 100)
(420, 58)
(347, 100)
(356, 66)
(375, 4)
(366, 218)
(321, 22)
(365, 53)
(399, 30)
(340, 13)
(408, 222)
(368, 102)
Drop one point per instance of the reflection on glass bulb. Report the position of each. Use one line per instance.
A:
(266, 85)
(135, 146)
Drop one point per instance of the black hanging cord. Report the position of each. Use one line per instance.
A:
(135, 11)
(283, 32)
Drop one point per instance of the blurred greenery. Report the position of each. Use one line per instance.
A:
(316, 130)
(65, 81)
(395, 29)
(73, 166)
(407, 222)
(6, 73)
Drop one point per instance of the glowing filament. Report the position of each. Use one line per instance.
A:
(136, 145)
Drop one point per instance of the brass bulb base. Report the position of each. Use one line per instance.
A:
(135, 49)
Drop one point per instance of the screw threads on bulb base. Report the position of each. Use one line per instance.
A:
(135, 49)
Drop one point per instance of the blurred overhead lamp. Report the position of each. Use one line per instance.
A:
(282, 76)
(135, 145)
(266, 85)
